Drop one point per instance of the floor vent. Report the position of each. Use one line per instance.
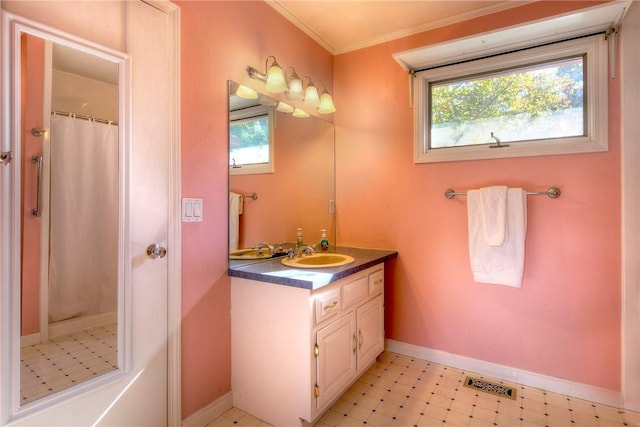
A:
(487, 387)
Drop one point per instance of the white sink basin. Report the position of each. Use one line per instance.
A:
(318, 260)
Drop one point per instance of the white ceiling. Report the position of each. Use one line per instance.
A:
(343, 26)
(74, 61)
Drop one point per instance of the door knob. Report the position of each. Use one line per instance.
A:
(5, 157)
(156, 251)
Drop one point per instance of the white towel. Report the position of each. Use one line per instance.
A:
(502, 264)
(493, 203)
(235, 210)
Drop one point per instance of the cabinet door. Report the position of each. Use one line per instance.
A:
(336, 361)
(370, 321)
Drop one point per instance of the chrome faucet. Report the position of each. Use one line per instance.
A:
(305, 250)
(262, 245)
(302, 250)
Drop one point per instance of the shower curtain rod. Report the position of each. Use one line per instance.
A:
(83, 117)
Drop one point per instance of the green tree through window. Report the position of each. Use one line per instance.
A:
(517, 104)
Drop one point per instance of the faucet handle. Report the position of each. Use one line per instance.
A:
(308, 249)
(265, 245)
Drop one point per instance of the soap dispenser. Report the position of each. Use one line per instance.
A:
(299, 243)
(324, 243)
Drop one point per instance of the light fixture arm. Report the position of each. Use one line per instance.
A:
(308, 83)
(256, 74)
(293, 75)
(266, 63)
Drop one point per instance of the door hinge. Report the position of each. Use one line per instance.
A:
(316, 350)
(316, 390)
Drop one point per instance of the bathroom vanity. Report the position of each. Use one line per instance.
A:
(301, 337)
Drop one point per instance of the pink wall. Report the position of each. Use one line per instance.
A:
(565, 320)
(218, 40)
(32, 72)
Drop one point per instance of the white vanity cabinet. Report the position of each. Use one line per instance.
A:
(295, 351)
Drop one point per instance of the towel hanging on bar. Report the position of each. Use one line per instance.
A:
(497, 262)
(552, 192)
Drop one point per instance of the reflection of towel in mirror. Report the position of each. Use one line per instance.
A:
(501, 264)
(235, 210)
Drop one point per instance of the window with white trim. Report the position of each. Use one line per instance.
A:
(251, 142)
(539, 101)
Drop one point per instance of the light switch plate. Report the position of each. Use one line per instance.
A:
(191, 210)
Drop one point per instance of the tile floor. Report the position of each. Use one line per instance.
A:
(402, 391)
(66, 360)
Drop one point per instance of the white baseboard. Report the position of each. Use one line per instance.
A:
(28, 340)
(79, 323)
(532, 379)
(210, 412)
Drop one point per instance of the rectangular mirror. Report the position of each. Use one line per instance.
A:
(66, 104)
(281, 174)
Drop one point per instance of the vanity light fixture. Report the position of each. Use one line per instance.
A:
(326, 103)
(311, 98)
(283, 107)
(278, 82)
(297, 112)
(275, 77)
(295, 91)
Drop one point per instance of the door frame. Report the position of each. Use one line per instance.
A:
(630, 195)
(174, 236)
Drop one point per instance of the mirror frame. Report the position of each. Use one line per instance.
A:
(12, 27)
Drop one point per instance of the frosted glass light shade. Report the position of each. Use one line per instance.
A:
(275, 79)
(295, 89)
(283, 107)
(326, 104)
(300, 113)
(311, 98)
(246, 92)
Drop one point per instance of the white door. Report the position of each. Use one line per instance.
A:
(139, 395)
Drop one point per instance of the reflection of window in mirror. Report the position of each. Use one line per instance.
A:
(251, 140)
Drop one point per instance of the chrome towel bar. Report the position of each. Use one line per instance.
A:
(553, 192)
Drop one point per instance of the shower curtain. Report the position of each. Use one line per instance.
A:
(83, 230)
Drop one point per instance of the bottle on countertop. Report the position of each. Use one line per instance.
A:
(324, 243)
(299, 243)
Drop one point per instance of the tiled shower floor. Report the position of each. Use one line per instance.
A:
(402, 391)
(66, 360)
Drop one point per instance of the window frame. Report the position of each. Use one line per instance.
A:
(245, 114)
(594, 49)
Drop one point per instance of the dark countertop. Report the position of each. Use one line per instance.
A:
(273, 271)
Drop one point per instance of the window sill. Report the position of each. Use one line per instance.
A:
(517, 149)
